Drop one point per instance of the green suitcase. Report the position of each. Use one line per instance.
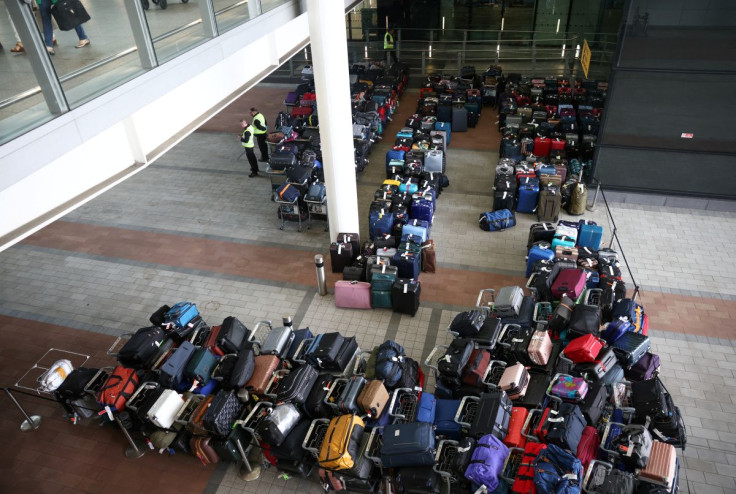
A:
(201, 365)
(381, 299)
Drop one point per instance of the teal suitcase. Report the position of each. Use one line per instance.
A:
(201, 365)
(381, 299)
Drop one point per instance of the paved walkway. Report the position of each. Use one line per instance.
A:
(194, 226)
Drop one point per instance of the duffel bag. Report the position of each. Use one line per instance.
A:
(497, 220)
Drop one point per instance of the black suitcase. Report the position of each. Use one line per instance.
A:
(315, 406)
(405, 296)
(519, 347)
(295, 387)
(326, 348)
(158, 318)
(280, 160)
(503, 199)
(492, 415)
(341, 255)
(418, 480)
(140, 350)
(525, 319)
(346, 352)
(232, 335)
(566, 427)
(595, 399)
(535, 396)
(353, 273)
(456, 357)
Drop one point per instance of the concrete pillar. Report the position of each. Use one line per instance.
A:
(332, 83)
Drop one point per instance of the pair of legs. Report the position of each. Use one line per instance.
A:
(48, 30)
(251, 154)
(262, 146)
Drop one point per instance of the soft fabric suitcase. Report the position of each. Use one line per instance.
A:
(444, 418)
(417, 480)
(503, 200)
(265, 366)
(426, 408)
(202, 449)
(549, 204)
(508, 301)
(356, 273)
(456, 358)
(296, 386)
(570, 282)
(444, 125)
(345, 354)
(408, 444)
(492, 416)
(141, 349)
(540, 232)
(373, 398)
(231, 335)
(514, 438)
(405, 295)
(459, 119)
(646, 368)
(630, 347)
(588, 446)
(324, 348)
(200, 365)
(408, 264)
(352, 294)
(164, 410)
(566, 427)
(277, 341)
(181, 313)
(540, 347)
(172, 371)
(585, 319)
(476, 367)
(341, 446)
(661, 468)
(350, 238)
(315, 406)
(595, 400)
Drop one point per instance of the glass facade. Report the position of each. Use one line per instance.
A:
(127, 38)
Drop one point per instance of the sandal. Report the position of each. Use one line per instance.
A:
(18, 48)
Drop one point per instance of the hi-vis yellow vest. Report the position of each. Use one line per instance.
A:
(249, 142)
(388, 41)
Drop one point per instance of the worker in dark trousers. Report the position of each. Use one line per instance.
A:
(260, 129)
(247, 138)
(388, 46)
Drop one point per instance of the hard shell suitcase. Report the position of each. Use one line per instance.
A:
(434, 162)
(570, 282)
(569, 388)
(348, 399)
(278, 423)
(514, 438)
(459, 119)
(661, 469)
(352, 294)
(373, 398)
(265, 365)
(584, 349)
(492, 415)
(278, 341)
(590, 236)
(540, 347)
(405, 296)
(408, 444)
(164, 410)
(630, 347)
(508, 301)
(604, 361)
(350, 238)
(588, 446)
(341, 255)
(181, 313)
(514, 381)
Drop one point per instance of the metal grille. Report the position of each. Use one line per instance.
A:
(314, 441)
(446, 459)
(494, 376)
(407, 407)
(513, 464)
(468, 414)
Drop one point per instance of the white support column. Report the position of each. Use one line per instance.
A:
(332, 82)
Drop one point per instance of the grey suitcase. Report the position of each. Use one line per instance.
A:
(512, 121)
(278, 424)
(433, 162)
(459, 119)
(278, 341)
(348, 401)
(508, 301)
(172, 372)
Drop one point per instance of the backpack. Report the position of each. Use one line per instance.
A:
(557, 472)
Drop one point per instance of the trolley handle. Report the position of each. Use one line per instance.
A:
(526, 429)
(504, 473)
(493, 364)
(335, 405)
(604, 438)
(438, 456)
(130, 403)
(94, 380)
(394, 397)
(360, 363)
(505, 329)
(274, 381)
(375, 433)
(250, 420)
(257, 329)
(461, 408)
(112, 351)
(185, 407)
(542, 307)
(591, 468)
(482, 301)
(305, 444)
(428, 360)
(299, 354)
(354, 360)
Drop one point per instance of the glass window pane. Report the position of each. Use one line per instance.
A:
(230, 13)
(175, 29)
(267, 5)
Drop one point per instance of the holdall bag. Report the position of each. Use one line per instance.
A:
(341, 444)
(69, 14)
(407, 445)
(487, 462)
(456, 358)
(296, 386)
(278, 423)
(388, 362)
(565, 426)
(72, 390)
(495, 221)
(118, 388)
(557, 472)
(524, 481)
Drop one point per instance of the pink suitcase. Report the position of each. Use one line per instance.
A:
(515, 381)
(661, 468)
(352, 294)
(570, 282)
(540, 347)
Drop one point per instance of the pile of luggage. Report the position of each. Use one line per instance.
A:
(457, 101)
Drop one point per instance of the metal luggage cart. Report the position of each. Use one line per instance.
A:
(185, 412)
(403, 405)
(433, 359)
(133, 403)
(357, 360)
(373, 448)
(315, 436)
(542, 312)
(260, 332)
(467, 411)
(318, 211)
(493, 374)
(511, 465)
(531, 422)
(276, 179)
(597, 471)
(253, 419)
(333, 395)
(591, 296)
(609, 435)
(290, 211)
(361, 362)
(506, 329)
(444, 459)
(621, 398)
(300, 353)
(486, 301)
(273, 384)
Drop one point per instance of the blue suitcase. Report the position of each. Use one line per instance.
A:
(426, 408)
(416, 227)
(630, 347)
(614, 375)
(422, 209)
(616, 329)
(590, 236)
(180, 314)
(394, 154)
(408, 263)
(447, 127)
(592, 278)
(408, 445)
(537, 253)
(444, 419)
(172, 372)
(380, 224)
(527, 198)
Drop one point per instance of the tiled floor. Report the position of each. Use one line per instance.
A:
(193, 226)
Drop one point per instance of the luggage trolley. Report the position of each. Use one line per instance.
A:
(433, 359)
(493, 374)
(511, 466)
(141, 395)
(403, 405)
(273, 383)
(300, 353)
(595, 475)
(252, 420)
(315, 436)
(444, 459)
(260, 332)
(318, 211)
(333, 395)
(486, 301)
(467, 411)
(611, 432)
(276, 178)
(374, 446)
(290, 211)
(622, 399)
(531, 422)
(542, 312)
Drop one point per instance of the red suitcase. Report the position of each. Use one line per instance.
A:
(514, 439)
(476, 367)
(588, 446)
(301, 111)
(584, 349)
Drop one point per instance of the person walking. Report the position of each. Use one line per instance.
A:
(44, 6)
(247, 138)
(260, 128)
(388, 46)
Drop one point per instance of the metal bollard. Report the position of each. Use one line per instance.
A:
(319, 266)
(286, 321)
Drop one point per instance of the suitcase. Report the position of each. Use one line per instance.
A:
(459, 119)
(341, 446)
(172, 371)
(277, 341)
(444, 418)
(540, 232)
(535, 391)
(341, 255)
(232, 334)
(222, 412)
(565, 428)
(646, 368)
(503, 199)
(468, 323)
(200, 365)
(426, 408)
(265, 366)
(514, 439)
(409, 444)
(508, 301)
(548, 209)
(181, 314)
(324, 347)
(408, 264)
(569, 388)
(347, 402)
(345, 354)
(164, 410)
(296, 386)
(570, 282)
(405, 296)
(315, 406)
(661, 469)
(630, 347)
(141, 349)
(514, 381)
(492, 415)
(540, 347)
(202, 449)
(528, 198)
(278, 423)
(350, 238)
(434, 162)
(373, 398)
(595, 400)
(585, 319)
(281, 160)
(456, 358)
(590, 236)
(594, 371)
(475, 369)
(584, 349)
(352, 294)
(588, 446)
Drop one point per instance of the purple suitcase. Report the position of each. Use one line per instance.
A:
(352, 294)
(570, 282)
(291, 98)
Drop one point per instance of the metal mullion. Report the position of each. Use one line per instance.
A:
(207, 13)
(141, 34)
